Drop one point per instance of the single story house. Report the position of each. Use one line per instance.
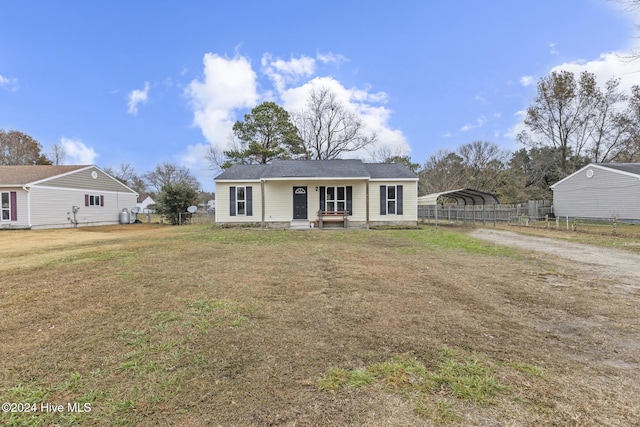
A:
(144, 204)
(298, 193)
(50, 196)
(600, 190)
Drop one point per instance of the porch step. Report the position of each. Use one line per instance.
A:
(299, 224)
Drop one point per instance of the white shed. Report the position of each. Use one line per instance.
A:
(600, 190)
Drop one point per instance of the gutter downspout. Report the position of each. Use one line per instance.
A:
(24, 187)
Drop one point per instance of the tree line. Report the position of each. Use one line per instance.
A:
(571, 122)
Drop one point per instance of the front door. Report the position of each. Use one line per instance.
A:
(299, 202)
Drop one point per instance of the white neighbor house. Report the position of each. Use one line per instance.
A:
(600, 190)
(61, 196)
(288, 193)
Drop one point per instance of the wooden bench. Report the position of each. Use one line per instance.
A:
(333, 216)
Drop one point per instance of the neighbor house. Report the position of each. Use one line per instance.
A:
(600, 190)
(61, 196)
(298, 193)
(143, 204)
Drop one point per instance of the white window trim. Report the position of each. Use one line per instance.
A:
(7, 209)
(394, 200)
(244, 200)
(336, 200)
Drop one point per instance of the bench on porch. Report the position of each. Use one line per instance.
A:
(333, 216)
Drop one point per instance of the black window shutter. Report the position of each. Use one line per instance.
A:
(13, 201)
(399, 199)
(232, 201)
(322, 199)
(249, 201)
(86, 200)
(349, 200)
(383, 200)
(101, 200)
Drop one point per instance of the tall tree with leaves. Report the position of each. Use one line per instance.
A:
(328, 128)
(267, 133)
(17, 148)
(174, 200)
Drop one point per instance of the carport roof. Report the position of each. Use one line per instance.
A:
(463, 196)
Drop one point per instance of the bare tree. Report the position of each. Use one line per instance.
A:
(216, 158)
(560, 115)
(58, 153)
(484, 162)
(328, 129)
(128, 176)
(442, 171)
(167, 173)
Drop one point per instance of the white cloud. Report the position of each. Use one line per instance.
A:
(526, 80)
(283, 73)
(137, 97)
(228, 84)
(552, 48)
(518, 127)
(77, 153)
(480, 121)
(331, 58)
(10, 83)
(607, 66)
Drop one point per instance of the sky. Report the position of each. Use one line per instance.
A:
(146, 82)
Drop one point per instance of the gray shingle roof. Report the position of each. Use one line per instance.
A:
(624, 167)
(25, 174)
(348, 168)
(389, 171)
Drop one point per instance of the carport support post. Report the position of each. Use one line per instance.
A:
(436, 214)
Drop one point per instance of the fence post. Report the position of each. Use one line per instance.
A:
(615, 223)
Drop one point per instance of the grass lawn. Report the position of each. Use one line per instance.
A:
(147, 324)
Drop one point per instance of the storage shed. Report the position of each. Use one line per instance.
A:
(600, 190)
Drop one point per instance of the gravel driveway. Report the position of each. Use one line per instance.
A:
(618, 267)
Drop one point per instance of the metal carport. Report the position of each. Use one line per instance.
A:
(464, 196)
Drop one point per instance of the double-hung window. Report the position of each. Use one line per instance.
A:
(240, 201)
(5, 206)
(391, 200)
(336, 198)
(93, 200)
(8, 206)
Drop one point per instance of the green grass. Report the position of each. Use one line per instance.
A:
(459, 377)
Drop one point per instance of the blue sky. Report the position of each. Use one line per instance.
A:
(146, 82)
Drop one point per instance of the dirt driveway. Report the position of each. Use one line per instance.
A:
(593, 264)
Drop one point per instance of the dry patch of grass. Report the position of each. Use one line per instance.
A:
(203, 326)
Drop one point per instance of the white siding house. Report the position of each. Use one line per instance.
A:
(600, 190)
(288, 193)
(60, 196)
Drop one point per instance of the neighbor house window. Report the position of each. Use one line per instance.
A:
(240, 201)
(391, 200)
(8, 206)
(336, 198)
(93, 200)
